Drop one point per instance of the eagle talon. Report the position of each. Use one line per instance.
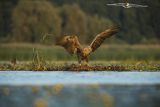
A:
(85, 64)
(80, 64)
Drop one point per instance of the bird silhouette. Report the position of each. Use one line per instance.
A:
(73, 46)
(127, 5)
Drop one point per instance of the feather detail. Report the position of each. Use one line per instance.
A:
(99, 39)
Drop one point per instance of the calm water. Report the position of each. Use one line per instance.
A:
(111, 89)
(51, 78)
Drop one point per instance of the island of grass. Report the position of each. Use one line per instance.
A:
(118, 66)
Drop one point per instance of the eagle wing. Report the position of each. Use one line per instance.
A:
(99, 39)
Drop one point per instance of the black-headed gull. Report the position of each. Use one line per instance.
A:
(127, 5)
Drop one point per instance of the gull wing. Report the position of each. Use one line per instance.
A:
(116, 4)
(137, 5)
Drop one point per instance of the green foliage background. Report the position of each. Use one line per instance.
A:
(28, 20)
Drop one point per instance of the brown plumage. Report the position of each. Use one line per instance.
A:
(73, 46)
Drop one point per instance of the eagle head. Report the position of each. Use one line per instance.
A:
(64, 40)
(68, 42)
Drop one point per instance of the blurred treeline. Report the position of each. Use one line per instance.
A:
(30, 20)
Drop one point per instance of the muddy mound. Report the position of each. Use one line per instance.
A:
(74, 67)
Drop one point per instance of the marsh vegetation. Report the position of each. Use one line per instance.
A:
(108, 57)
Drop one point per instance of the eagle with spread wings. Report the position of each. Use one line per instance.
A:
(73, 46)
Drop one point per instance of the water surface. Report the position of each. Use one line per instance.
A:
(51, 78)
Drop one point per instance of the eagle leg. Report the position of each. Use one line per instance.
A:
(85, 61)
(79, 59)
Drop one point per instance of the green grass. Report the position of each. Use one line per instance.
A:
(113, 57)
(24, 52)
(64, 65)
